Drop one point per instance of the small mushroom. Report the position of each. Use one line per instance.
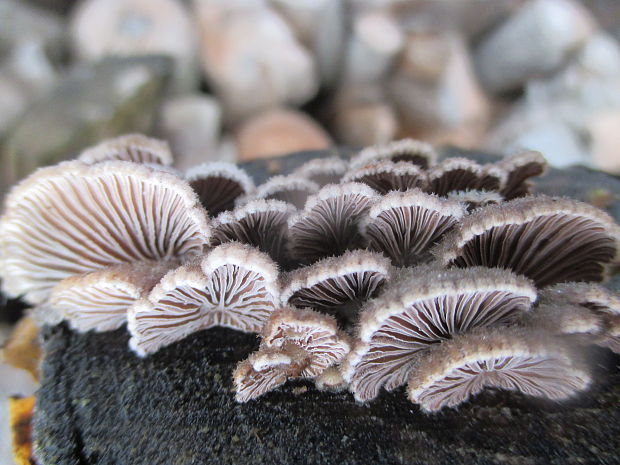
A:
(476, 198)
(549, 240)
(406, 225)
(506, 359)
(385, 176)
(234, 286)
(218, 185)
(131, 147)
(409, 150)
(457, 174)
(338, 285)
(322, 171)
(261, 223)
(328, 225)
(567, 320)
(75, 218)
(295, 344)
(99, 301)
(292, 189)
(520, 168)
(426, 306)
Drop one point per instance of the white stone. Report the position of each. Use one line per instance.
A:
(252, 58)
(536, 40)
(604, 135)
(192, 125)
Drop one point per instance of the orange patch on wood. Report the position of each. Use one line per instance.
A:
(22, 350)
(20, 419)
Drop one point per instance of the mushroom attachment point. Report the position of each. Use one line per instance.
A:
(425, 306)
(218, 185)
(549, 240)
(234, 286)
(131, 147)
(506, 359)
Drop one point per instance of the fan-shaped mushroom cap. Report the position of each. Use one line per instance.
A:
(385, 176)
(476, 198)
(292, 189)
(549, 240)
(131, 147)
(328, 225)
(517, 361)
(564, 319)
(406, 225)
(458, 174)
(218, 185)
(99, 301)
(409, 150)
(427, 306)
(311, 339)
(262, 372)
(336, 282)
(75, 218)
(261, 223)
(233, 286)
(520, 168)
(322, 170)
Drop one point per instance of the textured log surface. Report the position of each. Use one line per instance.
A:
(99, 404)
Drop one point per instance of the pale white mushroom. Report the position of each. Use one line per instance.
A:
(520, 167)
(458, 174)
(385, 176)
(322, 170)
(131, 147)
(292, 189)
(408, 150)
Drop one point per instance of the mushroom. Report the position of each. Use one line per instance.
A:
(328, 225)
(218, 185)
(520, 168)
(322, 170)
(521, 361)
(409, 150)
(292, 189)
(75, 218)
(295, 343)
(234, 286)
(426, 306)
(385, 176)
(457, 174)
(261, 223)
(549, 240)
(406, 225)
(99, 301)
(131, 147)
(476, 198)
(338, 285)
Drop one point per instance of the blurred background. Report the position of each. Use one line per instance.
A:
(237, 80)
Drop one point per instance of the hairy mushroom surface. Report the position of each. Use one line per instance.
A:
(476, 198)
(408, 150)
(261, 373)
(513, 360)
(75, 218)
(99, 301)
(338, 285)
(459, 174)
(520, 168)
(322, 171)
(234, 286)
(328, 225)
(549, 240)
(218, 185)
(426, 306)
(385, 176)
(131, 147)
(292, 189)
(406, 225)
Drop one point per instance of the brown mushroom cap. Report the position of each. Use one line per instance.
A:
(406, 225)
(292, 189)
(336, 282)
(99, 301)
(218, 185)
(262, 372)
(549, 240)
(322, 171)
(75, 218)
(261, 223)
(428, 305)
(458, 174)
(136, 148)
(234, 286)
(385, 176)
(520, 168)
(409, 150)
(328, 225)
(526, 362)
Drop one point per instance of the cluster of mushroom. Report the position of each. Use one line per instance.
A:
(388, 269)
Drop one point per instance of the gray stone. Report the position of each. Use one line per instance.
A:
(108, 98)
